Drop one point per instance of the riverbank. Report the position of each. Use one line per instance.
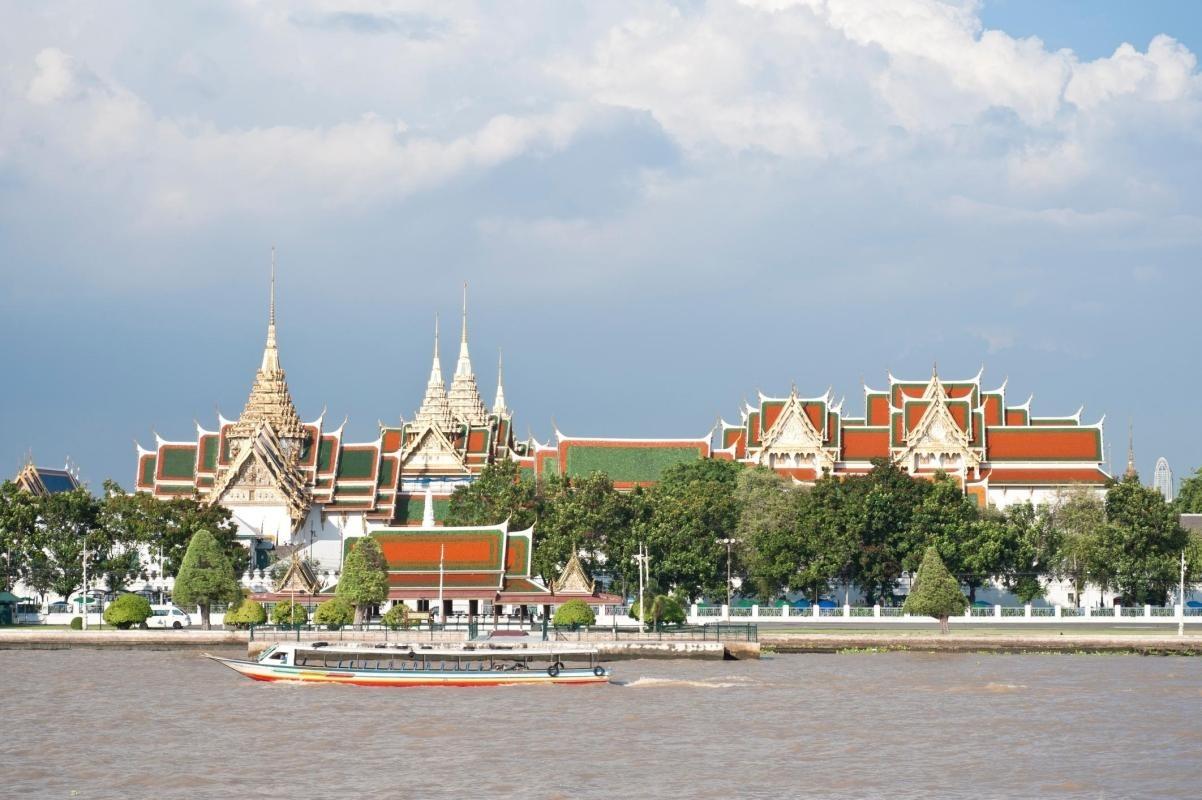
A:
(978, 642)
(610, 649)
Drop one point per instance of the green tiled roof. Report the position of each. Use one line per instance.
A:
(357, 463)
(179, 463)
(627, 464)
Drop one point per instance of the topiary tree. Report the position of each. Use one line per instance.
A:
(77, 623)
(250, 612)
(289, 612)
(396, 617)
(936, 593)
(127, 610)
(662, 608)
(364, 580)
(205, 576)
(573, 614)
(334, 613)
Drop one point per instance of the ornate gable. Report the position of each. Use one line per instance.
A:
(431, 451)
(573, 579)
(937, 441)
(262, 473)
(793, 441)
(299, 578)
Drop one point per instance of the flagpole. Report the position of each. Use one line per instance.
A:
(442, 554)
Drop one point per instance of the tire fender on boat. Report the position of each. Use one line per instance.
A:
(599, 671)
(553, 670)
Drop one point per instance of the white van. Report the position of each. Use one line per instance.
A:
(168, 616)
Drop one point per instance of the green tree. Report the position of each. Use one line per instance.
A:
(127, 610)
(1139, 549)
(205, 576)
(935, 593)
(397, 617)
(573, 614)
(1075, 519)
(767, 531)
(67, 525)
(580, 516)
(364, 580)
(18, 518)
(828, 528)
(1032, 544)
(947, 518)
(249, 612)
(1189, 497)
(497, 494)
(289, 612)
(334, 613)
(881, 504)
(692, 508)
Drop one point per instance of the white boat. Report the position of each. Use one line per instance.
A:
(417, 664)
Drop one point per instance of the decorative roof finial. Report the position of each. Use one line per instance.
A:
(464, 395)
(271, 353)
(1131, 473)
(435, 409)
(436, 364)
(499, 408)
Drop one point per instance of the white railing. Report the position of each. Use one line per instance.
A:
(976, 615)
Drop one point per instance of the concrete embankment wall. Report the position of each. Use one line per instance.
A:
(56, 639)
(999, 643)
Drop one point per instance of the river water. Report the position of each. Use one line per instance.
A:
(104, 724)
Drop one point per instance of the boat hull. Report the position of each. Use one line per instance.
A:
(275, 673)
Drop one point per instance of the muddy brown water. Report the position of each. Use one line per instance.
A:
(129, 724)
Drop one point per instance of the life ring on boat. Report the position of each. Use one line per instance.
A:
(553, 670)
(599, 671)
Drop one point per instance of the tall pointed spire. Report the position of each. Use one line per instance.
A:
(464, 394)
(270, 400)
(435, 410)
(1131, 471)
(498, 407)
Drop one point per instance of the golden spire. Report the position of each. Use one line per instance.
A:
(435, 410)
(498, 407)
(269, 399)
(1131, 472)
(464, 394)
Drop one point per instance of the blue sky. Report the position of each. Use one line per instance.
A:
(661, 208)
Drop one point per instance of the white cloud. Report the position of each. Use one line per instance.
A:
(55, 78)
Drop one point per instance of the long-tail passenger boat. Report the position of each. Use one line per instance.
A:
(413, 664)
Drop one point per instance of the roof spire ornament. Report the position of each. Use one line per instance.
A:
(498, 407)
(270, 400)
(464, 394)
(435, 410)
(1131, 472)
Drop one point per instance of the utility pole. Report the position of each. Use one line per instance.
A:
(641, 558)
(1181, 599)
(84, 598)
(442, 554)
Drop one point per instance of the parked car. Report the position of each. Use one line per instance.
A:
(168, 616)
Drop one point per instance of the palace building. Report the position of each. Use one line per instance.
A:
(299, 485)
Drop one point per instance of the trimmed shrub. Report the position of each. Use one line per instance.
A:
(664, 608)
(396, 617)
(936, 593)
(127, 610)
(77, 623)
(289, 613)
(573, 614)
(249, 612)
(334, 613)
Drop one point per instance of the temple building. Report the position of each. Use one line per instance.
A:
(301, 487)
(1000, 454)
(42, 481)
(299, 484)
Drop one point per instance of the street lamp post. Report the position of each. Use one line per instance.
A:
(728, 543)
(1181, 599)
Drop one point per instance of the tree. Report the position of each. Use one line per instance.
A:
(1032, 544)
(249, 612)
(947, 518)
(935, 593)
(497, 494)
(579, 516)
(828, 536)
(364, 580)
(1189, 496)
(67, 525)
(334, 613)
(289, 612)
(1075, 519)
(881, 504)
(691, 509)
(573, 614)
(1138, 550)
(205, 576)
(18, 517)
(396, 617)
(767, 530)
(127, 610)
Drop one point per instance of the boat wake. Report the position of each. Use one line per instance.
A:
(725, 682)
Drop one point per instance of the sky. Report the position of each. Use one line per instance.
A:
(659, 208)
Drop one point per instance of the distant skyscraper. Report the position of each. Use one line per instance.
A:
(1162, 480)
